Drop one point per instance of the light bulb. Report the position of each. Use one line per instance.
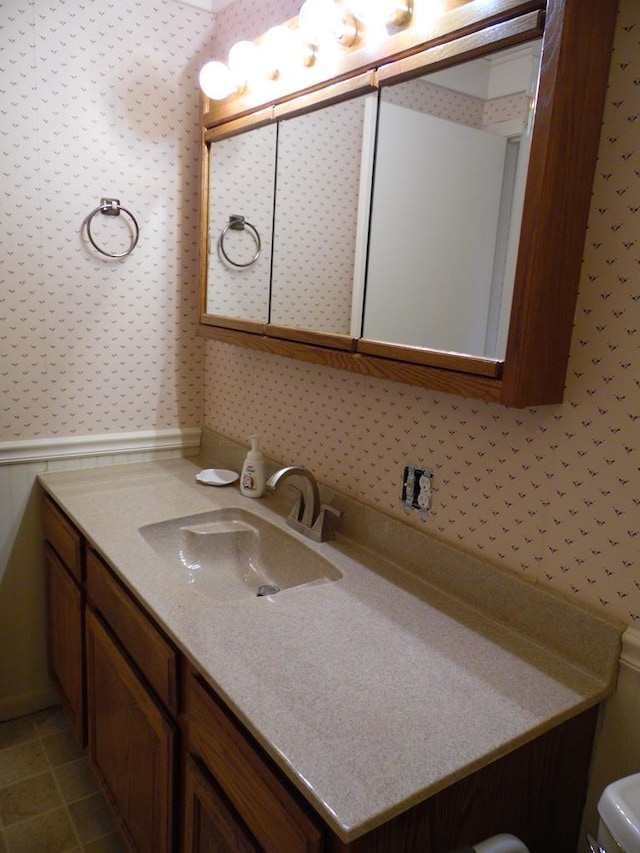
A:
(284, 51)
(216, 81)
(321, 20)
(376, 13)
(245, 61)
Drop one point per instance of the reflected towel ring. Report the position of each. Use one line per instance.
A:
(111, 207)
(239, 223)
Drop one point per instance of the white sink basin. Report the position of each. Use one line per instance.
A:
(230, 554)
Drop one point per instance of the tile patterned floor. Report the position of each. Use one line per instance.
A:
(49, 798)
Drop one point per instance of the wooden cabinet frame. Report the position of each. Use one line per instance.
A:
(577, 40)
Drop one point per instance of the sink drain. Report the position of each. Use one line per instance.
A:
(268, 589)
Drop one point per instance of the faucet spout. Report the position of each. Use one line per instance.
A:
(307, 516)
(308, 507)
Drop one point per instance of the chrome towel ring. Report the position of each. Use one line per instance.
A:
(239, 223)
(111, 207)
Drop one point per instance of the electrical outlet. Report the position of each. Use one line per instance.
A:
(416, 489)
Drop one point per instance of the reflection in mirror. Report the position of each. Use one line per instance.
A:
(316, 240)
(451, 162)
(241, 172)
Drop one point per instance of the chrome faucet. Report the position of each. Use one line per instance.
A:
(308, 516)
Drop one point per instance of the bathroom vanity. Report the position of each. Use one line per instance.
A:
(411, 699)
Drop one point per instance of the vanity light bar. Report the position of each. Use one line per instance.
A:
(320, 22)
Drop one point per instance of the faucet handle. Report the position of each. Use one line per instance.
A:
(322, 534)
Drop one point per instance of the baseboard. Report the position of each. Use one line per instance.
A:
(28, 703)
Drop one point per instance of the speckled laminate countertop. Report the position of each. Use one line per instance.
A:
(371, 692)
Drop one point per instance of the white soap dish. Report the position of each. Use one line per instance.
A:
(216, 477)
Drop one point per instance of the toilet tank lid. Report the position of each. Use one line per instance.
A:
(619, 808)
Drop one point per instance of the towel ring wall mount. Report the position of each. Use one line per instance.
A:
(239, 223)
(112, 207)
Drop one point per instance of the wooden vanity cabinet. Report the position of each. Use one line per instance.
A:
(131, 690)
(262, 807)
(211, 824)
(64, 567)
(183, 775)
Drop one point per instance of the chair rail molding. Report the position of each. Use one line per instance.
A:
(70, 447)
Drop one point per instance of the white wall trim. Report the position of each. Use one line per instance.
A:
(71, 447)
(12, 707)
(630, 656)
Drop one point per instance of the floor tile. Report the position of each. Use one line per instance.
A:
(14, 732)
(108, 844)
(20, 762)
(48, 833)
(50, 721)
(28, 798)
(76, 780)
(92, 818)
(61, 748)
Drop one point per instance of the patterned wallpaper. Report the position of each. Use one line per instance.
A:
(99, 99)
(318, 181)
(553, 492)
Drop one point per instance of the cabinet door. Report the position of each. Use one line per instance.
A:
(131, 744)
(211, 825)
(65, 628)
(274, 816)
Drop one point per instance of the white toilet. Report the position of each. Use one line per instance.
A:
(619, 810)
(501, 844)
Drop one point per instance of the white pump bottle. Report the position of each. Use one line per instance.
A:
(252, 479)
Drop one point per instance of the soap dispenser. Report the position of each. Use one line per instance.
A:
(252, 479)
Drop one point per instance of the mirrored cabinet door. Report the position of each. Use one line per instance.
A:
(242, 173)
(318, 257)
(451, 163)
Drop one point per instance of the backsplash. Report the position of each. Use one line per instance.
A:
(551, 492)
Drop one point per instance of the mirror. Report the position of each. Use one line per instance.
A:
(318, 252)
(302, 186)
(243, 170)
(491, 317)
(451, 155)
(451, 162)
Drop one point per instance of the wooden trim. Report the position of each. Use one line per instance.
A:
(464, 49)
(254, 327)
(564, 147)
(203, 236)
(309, 336)
(434, 358)
(361, 84)
(436, 379)
(214, 132)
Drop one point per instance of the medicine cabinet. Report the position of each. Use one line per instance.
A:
(416, 210)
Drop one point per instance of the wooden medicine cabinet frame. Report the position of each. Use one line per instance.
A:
(577, 37)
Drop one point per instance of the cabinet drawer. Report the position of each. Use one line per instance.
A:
(261, 799)
(153, 655)
(63, 537)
